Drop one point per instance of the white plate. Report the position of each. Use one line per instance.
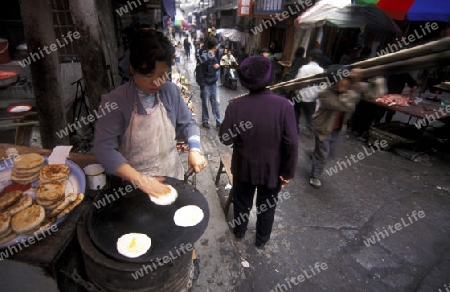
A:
(75, 184)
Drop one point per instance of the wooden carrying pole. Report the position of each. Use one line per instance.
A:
(434, 54)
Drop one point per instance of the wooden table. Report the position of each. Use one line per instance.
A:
(45, 255)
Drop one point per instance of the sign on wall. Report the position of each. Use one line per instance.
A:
(269, 6)
(244, 8)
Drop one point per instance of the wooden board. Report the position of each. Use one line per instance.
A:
(225, 158)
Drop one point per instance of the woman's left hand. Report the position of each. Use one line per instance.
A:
(196, 161)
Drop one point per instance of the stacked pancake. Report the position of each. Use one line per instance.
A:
(54, 172)
(26, 169)
(50, 194)
(51, 191)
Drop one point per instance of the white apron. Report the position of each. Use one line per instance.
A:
(149, 143)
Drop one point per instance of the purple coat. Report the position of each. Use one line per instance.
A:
(262, 129)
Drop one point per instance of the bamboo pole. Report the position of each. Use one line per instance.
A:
(435, 54)
(417, 63)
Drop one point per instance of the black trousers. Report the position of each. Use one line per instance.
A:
(266, 201)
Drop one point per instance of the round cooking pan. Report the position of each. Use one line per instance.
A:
(8, 77)
(135, 213)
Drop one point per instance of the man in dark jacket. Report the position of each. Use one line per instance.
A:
(211, 72)
(265, 147)
(297, 61)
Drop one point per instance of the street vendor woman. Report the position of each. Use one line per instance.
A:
(137, 139)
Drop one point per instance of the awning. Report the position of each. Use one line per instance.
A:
(231, 6)
(233, 34)
(316, 15)
(415, 10)
(367, 17)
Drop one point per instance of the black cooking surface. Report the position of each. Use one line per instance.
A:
(135, 213)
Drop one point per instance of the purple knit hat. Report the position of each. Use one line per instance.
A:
(256, 73)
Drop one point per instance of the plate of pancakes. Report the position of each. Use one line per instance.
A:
(56, 189)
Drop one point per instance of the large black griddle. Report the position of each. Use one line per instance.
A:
(135, 213)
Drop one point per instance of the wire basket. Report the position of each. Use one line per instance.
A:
(395, 133)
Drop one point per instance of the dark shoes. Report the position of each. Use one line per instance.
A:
(206, 125)
(238, 234)
(218, 124)
(260, 245)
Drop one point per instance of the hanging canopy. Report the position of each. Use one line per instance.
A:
(368, 17)
(316, 15)
(415, 10)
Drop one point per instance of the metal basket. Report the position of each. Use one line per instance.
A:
(384, 132)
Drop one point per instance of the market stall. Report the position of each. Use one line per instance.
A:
(82, 249)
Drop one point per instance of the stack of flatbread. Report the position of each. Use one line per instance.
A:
(50, 194)
(6, 232)
(54, 172)
(26, 169)
(51, 191)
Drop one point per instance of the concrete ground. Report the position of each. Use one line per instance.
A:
(319, 240)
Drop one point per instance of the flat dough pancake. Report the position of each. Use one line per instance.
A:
(69, 208)
(21, 204)
(53, 172)
(24, 180)
(25, 173)
(29, 160)
(50, 191)
(165, 199)
(62, 205)
(5, 222)
(7, 233)
(28, 219)
(188, 216)
(9, 198)
(8, 238)
(133, 245)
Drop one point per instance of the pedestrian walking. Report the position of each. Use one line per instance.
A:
(336, 104)
(187, 47)
(211, 74)
(265, 147)
(305, 99)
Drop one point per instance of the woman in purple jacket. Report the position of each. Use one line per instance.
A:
(261, 127)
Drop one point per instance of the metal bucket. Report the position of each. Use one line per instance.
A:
(96, 176)
(5, 57)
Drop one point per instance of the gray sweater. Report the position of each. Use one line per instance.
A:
(111, 125)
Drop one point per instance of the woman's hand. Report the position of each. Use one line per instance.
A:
(284, 181)
(196, 161)
(153, 186)
(150, 185)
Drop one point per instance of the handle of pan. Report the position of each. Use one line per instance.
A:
(188, 173)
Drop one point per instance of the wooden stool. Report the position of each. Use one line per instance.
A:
(225, 167)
